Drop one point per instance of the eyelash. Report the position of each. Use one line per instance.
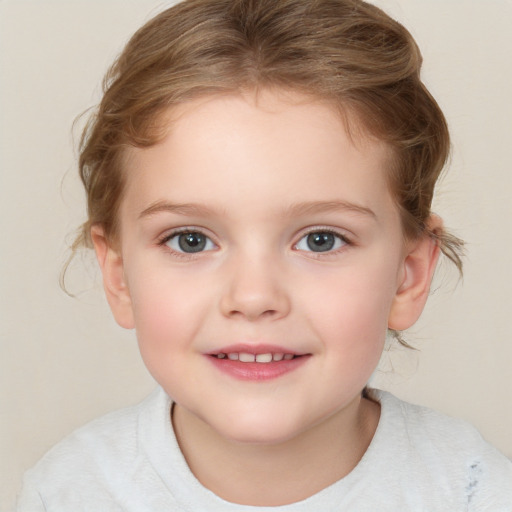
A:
(163, 241)
(322, 254)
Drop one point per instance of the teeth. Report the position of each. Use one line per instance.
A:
(264, 358)
(245, 357)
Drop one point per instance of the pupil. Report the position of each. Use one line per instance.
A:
(192, 242)
(320, 242)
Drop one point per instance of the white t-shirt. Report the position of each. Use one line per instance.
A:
(129, 460)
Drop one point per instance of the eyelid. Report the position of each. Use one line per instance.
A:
(172, 231)
(341, 234)
(168, 235)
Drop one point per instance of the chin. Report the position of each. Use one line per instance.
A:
(260, 438)
(258, 431)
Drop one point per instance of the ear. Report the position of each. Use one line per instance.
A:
(114, 282)
(416, 276)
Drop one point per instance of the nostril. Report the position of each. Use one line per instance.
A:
(254, 299)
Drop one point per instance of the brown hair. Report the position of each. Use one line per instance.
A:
(345, 51)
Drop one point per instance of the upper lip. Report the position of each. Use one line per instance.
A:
(254, 349)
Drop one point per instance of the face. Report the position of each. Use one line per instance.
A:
(260, 258)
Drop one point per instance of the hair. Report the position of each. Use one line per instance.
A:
(347, 52)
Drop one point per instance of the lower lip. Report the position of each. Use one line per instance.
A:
(258, 371)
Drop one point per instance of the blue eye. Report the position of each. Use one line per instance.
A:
(189, 242)
(321, 241)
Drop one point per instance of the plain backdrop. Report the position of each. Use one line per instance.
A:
(63, 361)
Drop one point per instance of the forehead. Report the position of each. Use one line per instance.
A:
(272, 145)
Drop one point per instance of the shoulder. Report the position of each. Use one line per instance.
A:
(112, 436)
(430, 429)
(446, 451)
(88, 460)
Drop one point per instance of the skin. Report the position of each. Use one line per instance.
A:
(262, 173)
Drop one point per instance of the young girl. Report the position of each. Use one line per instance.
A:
(259, 177)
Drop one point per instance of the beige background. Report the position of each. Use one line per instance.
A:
(64, 361)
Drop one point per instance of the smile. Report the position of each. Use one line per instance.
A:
(245, 357)
(257, 363)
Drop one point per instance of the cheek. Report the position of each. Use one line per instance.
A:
(354, 331)
(349, 313)
(167, 316)
(353, 300)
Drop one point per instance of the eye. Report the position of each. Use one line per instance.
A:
(321, 241)
(189, 242)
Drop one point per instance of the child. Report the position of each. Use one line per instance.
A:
(259, 178)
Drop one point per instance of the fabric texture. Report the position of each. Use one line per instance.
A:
(129, 460)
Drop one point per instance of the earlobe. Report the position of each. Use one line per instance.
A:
(418, 269)
(114, 282)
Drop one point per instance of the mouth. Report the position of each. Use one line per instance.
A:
(257, 363)
(263, 358)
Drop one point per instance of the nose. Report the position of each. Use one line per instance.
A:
(255, 289)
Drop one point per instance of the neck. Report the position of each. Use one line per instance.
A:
(277, 474)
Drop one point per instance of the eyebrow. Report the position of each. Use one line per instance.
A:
(190, 209)
(295, 210)
(313, 207)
